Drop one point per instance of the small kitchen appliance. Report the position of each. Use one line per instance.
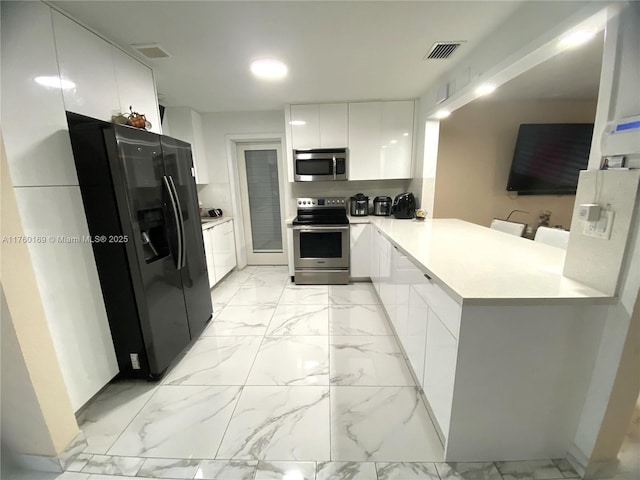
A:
(321, 242)
(382, 206)
(404, 205)
(359, 205)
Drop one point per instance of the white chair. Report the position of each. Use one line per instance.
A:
(512, 228)
(556, 237)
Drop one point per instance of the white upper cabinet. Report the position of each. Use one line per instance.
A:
(380, 140)
(186, 125)
(86, 60)
(33, 118)
(136, 88)
(325, 126)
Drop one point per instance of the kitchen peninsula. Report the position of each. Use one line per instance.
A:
(501, 342)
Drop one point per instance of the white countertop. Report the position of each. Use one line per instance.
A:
(477, 264)
(210, 222)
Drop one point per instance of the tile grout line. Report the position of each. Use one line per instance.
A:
(242, 387)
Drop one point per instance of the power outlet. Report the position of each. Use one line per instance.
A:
(600, 228)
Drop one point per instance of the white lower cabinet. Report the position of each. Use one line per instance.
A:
(360, 250)
(426, 321)
(439, 370)
(224, 249)
(208, 253)
(220, 251)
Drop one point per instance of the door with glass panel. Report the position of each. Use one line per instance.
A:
(261, 189)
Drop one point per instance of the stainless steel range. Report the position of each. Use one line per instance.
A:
(321, 242)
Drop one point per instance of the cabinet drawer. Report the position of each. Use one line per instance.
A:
(447, 309)
(224, 228)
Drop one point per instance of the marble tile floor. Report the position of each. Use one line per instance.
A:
(286, 382)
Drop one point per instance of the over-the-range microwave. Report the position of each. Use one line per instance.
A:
(320, 164)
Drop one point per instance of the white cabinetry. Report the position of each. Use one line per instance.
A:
(380, 140)
(87, 61)
(186, 125)
(208, 253)
(440, 370)
(224, 249)
(325, 126)
(220, 250)
(34, 123)
(136, 88)
(360, 251)
(426, 321)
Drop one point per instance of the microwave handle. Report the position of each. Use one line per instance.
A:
(334, 167)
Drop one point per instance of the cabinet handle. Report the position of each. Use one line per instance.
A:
(427, 276)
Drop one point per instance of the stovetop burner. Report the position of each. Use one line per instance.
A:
(321, 211)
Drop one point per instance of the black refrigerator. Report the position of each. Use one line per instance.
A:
(139, 196)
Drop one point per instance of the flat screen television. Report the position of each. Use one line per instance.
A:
(548, 158)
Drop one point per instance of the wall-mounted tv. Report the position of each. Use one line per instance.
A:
(548, 158)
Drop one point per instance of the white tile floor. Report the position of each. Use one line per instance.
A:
(286, 382)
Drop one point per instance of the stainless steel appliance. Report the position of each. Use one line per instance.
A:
(359, 205)
(321, 242)
(139, 196)
(320, 164)
(382, 206)
(404, 205)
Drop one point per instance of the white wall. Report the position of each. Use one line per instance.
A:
(620, 91)
(524, 40)
(216, 127)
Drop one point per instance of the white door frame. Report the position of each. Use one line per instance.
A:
(231, 141)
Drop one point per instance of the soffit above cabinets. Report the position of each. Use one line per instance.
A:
(335, 51)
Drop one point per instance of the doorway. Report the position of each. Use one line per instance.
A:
(261, 196)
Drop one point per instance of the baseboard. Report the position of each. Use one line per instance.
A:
(590, 470)
(578, 460)
(42, 463)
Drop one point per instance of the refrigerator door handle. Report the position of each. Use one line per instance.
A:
(179, 205)
(177, 220)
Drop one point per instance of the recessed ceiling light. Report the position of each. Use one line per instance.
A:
(576, 38)
(393, 141)
(485, 89)
(55, 82)
(269, 68)
(442, 113)
(405, 134)
(297, 122)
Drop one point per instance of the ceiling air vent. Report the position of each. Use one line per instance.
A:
(442, 50)
(151, 50)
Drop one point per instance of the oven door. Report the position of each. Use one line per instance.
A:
(321, 246)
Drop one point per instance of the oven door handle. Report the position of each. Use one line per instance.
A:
(316, 228)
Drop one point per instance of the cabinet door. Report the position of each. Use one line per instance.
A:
(334, 126)
(439, 370)
(307, 134)
(396, 139)
(364, 141)
(136, 88)
(87, 61)
(375, 259)
(387, 290)
(186, 125)
(359, 255)
(208, 253)
(198, 151)
(224, 251)
(415, 341)
(34, 123)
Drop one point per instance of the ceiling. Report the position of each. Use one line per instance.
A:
(336, 51)
(573, 74)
